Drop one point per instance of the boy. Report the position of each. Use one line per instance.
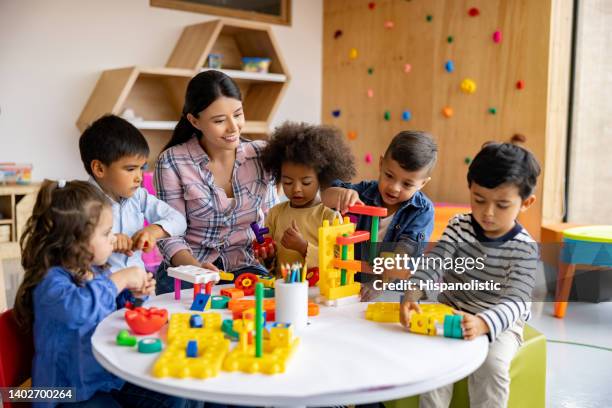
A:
(501, 180)
(404, 169)
(114, 154)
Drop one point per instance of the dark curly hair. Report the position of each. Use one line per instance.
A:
(57, 234)
(321, 147)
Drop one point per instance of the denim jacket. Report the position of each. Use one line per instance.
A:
(412, 223)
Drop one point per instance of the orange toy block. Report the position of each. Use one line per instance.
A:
(354, 238)
(368, 210)
(350, 265)
(232, 293)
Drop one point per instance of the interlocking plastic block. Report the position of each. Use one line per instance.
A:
(193, 274)
(368, 210)
(268, 292)
(259, 232)
(124, 339)
(232, 293)
(179, 325)
(383, 312)
(452, 326)
(313, 309)
(192, 349)
(268, 281)
(150, 345)
(220, 302)
(431, 319)
(246, 282)
(354, 238)
(199, 303)
(195, 321)
(228, 328)
(142, 320)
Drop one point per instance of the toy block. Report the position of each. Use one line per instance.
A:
(150, 345)
(246, 282)
(313, 309)
(180, 325)
(124, 339)
(228, 328)
(312, 276)
(200, 301)
(228, 276)
(249, 314)
(259, 232)
(349, 265)
(143, 320)
(343, 291)
(192, 349)
(431, 320)
(354, 238)
(195, 321)
(268, 293)
(232, 293)
(348, 300)
(268, 281)
(452, 326)
(368, 210)
(219, 302)
(383, 312)
(193, 274)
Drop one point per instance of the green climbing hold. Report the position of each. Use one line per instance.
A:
(449, 39)
(370, 71)
(467, 160)
(387, 115)
(429, 17)
(492, 111)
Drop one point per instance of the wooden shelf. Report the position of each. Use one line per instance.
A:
(239, 75)
(249, 127)
(5, 221)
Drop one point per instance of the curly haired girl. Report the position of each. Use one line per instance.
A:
(304, 158)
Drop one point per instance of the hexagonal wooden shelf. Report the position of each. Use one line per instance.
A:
(157, 94)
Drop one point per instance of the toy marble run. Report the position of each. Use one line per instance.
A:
(337, 275)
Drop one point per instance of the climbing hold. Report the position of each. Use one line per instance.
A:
(370, 93)
(336, 113)
(497, 37)
(352, 135)
(406, 115)
(353, 53)
(468, 86)
(389, 24)
(387, 115)
(368, 158)
(337, 34)
(371, 5)
(429, 18)
(518, 138)
(407, 68)
(370, 71)
(447, 112)
(492, 111)
(520, 84)
(467, 160)
(474, 12)
(449, 66)
(449, 39)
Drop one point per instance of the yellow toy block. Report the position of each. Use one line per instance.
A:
(228, 276)
(425, 322)
(212, 348)
(268, 282)
(343, 291)
(383, 312)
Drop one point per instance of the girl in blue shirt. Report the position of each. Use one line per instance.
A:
(67, 290)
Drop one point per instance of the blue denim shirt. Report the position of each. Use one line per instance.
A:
(129, 215)
(412, 223)
(65, 317)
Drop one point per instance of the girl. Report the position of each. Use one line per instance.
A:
(67, 290)
(303, 157)
(216, 179)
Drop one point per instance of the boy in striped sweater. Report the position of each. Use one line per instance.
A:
(501, 180)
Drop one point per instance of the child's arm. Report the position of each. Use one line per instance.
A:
(340, 198)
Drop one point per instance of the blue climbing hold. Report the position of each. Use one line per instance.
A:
(449, 66)
(406, 115)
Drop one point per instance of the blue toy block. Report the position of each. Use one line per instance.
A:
(192, 348)
(195, 321)
(199, 302)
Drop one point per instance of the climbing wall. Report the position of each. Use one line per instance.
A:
(466, 71)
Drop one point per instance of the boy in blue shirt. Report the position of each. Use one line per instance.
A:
(114, 154)
(404, 170)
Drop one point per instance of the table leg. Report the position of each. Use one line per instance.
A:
(564, 285)
(208, 288)
(177, 289)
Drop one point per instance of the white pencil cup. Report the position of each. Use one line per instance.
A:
(291, 303)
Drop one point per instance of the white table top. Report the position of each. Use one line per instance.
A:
(342, 359)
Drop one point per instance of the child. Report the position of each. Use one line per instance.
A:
(114, 153)
(303, 157)
(501, 180)
(67, 291)
(404, 169)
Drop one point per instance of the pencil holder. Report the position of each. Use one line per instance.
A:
(292, 303)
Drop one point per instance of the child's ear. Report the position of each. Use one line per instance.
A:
(98, 168)
(528, 202)
(424, 183)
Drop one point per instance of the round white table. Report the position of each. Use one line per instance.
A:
(342, 359)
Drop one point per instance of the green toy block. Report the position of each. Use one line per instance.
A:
(149, 345)
(124, 339)
(452, 326)
(227, 327)
(220, 302)
(268, 292)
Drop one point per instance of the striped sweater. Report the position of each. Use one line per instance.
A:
(509, 261)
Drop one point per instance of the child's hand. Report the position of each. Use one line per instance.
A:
(132, 278)
(148, 289)
(368, 293)
(293, 239)
(265, 253)
(473, 326)
(208, 265)
(406, 309)
(347, 198)
(123, 244)
(144, 240)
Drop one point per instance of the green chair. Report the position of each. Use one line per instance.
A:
(527, 378)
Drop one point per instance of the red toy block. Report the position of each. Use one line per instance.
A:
(368, 210)
(354, 238)
(232, 293)
(312, 276)
(142, 320)
(246, 282)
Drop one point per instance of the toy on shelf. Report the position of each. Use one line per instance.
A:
(254, 64)
(196, 275)
(215, 61)
(15, 173)
(142, 320)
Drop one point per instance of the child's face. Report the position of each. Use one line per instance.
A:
(122, 177)
(496, 209)
(220, 123)
(300, 184)
(397, 185)
(102, 240)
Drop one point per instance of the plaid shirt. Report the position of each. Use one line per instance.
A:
(217, 226)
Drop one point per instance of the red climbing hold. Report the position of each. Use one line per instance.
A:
(474, 12)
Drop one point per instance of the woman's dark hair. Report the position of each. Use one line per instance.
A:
(318, 146)
(202, 90)
(57, 234)
(502, 163)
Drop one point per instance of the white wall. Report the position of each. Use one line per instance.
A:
(52, 52)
